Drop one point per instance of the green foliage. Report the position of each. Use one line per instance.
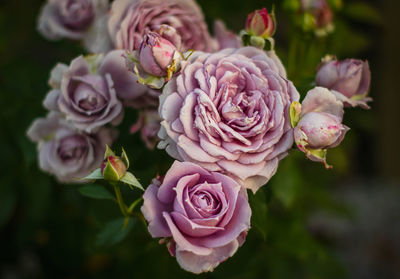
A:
(95, 191)
(114, 231)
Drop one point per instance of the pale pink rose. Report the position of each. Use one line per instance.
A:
(130, 20)
(348, 79)
(229, 112)
(204, 216)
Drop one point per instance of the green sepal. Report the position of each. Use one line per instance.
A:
(320, 155)
(124, 158)
(131, 180)
(109, 173)
(294, 113)
(174, 67)
(151, 81)
(108, 152)
(258, 42)
(96, 174)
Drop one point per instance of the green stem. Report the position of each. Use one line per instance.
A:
(120, 200)
(134, 204)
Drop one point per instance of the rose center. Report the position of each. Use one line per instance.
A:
(72, 148)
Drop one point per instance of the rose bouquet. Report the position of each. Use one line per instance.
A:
(223, 107)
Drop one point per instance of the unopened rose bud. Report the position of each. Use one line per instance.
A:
(157, 54)
(171, 34)
(260, 23)
(320, 10)
(113, 168)
(319, 130)
(349, 77)
(320, 124)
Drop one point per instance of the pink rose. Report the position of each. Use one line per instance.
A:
(348, 79)
(131, 19)
(205, 215)
(229, 112)
(78, 20)
(65, 152)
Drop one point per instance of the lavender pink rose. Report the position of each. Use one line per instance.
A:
(130, 20)
(348, 79)
(78, 20)
(65, 152)
(229, 112)
(204, 216)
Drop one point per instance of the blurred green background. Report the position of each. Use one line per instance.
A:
(307, 222)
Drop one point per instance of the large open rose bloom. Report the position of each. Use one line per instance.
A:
(229, 112)
(206, 214)
(131, 19)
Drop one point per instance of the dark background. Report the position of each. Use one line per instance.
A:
(307, 222)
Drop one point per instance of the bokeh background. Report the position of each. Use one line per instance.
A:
(307, 222)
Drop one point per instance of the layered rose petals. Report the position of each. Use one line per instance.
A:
(131, 19)
(206, 215)
(65, 152)
(228, 112)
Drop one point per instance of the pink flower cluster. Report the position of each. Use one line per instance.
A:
(228, 114)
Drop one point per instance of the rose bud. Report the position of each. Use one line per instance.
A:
(320, 124)
(260, 23)
(170, 34)
(157, 54)
(113, 168)
(320, 10)
(319, 130)
(348, 79)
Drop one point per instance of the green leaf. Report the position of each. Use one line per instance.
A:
(363, 12)
(259, 208)
(114, 232)
(96, 192)
(96, 174)
(287, 181)
(131, 180)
